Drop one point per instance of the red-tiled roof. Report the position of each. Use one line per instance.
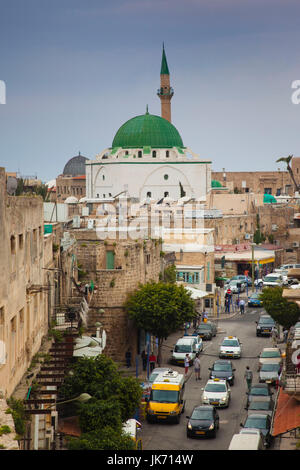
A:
(287, 415)
(82, 177)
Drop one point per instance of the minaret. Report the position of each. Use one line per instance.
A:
(165, 92)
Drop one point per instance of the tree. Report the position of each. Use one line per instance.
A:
(281, 310)
(160, 309)
(109, 438)
(169, 274)
(100, 378)
(289, 169)
(258, 236)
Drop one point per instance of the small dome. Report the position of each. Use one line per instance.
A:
(216, 184)
(75, 166)
(147, 130)
(269, 199)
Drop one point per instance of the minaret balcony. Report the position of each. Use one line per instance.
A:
(165, 91)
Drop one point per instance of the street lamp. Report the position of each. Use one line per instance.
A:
(82, 398)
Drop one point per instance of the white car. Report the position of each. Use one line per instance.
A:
(198, 343)
(271, 356)
(236, 286)
(216, 393)
(230, 347)
(273, 280)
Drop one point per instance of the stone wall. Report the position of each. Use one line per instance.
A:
(135, 263)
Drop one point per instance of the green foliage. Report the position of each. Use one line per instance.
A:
(108, 439)
(100, 378)
(17, 410)
(281, 310)
(169, 274)
(5, 430)
(160, 308)
(97, 414)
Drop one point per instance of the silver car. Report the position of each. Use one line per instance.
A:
(269, 373)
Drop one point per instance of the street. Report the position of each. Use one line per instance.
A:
(166, 436)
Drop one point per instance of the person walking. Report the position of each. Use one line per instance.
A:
(144, 359)
(152, 361)
(274, 337)
(186, 364)
(242, 306)
(248, 376)
(197, 367)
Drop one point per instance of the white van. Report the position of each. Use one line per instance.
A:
(273, 280)
(246, 442)
(185, 345)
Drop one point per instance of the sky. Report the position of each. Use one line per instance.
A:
(76, 70)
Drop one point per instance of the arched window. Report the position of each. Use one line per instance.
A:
(154, 154)
(166, 193)
(149, 194)
(167, 153)
(166, 177)
(140, 154)
(103, 177)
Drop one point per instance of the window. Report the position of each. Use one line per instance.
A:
(13, 245)
(167, 153)
(148, 259)
(268, 191)
(166, 177)
(188, 277)
(166, 194)
(154, 154)
(110, 260)
(149, 194)
(21, 241)
(140, 154)
(103, 177)
(278, 191)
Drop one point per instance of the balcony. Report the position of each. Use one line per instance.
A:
(165, 91)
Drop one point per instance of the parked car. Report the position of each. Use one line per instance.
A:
(259, 405)
(245, 279)
(230, 347)
(262, 422)
(258, 390)
(217, 393)
(236, 286)
(259, 282)
(222, 369)
(248, 440)
(204, 421)
(273, 280)
(269, 373)
(207, 330)
(265, 325)
(198, 343)
(254, 300)
(270, 355)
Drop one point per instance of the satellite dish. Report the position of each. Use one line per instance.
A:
(11, 185)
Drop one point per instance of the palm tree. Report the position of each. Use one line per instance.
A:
(289, 169)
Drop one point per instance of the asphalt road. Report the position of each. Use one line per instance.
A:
(167, 436)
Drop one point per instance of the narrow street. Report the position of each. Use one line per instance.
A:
(164, 436)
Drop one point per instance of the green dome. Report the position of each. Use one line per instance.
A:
(216, 184)
(147, 130)
(268, 198)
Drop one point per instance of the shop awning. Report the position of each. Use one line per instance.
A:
(197, 293)
(287, 414)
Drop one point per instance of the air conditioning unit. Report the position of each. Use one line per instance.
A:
(274, 227)
(295, 244)
(247, 236)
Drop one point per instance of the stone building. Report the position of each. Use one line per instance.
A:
(116, 267)
(24, 292)
(72, 181)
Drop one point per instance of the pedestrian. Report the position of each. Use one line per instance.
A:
(204, 316)
(128, 358)
(144, 359)
(226, 305)
(274, 337)
(152, 361)
(248, 376)
(242, 306)
(197, 367)
(285, 335)
(186, 364)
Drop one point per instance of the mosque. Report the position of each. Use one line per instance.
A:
(148, 159)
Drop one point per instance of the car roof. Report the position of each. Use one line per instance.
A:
(258, 416)
(271, 349)
(223, 361)
(211, 381)
(203, 407)
(231, 337)
(260, 385)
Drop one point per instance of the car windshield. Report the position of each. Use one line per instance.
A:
(270, 368)
(164, 396)
(215, 387)
(259, 391)
(202, 414)
(254, 296)
(205, 326)
(222, 367)
(230, 342)
(266, 320)
(257, 423)
(271, 354)
(183, 348)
